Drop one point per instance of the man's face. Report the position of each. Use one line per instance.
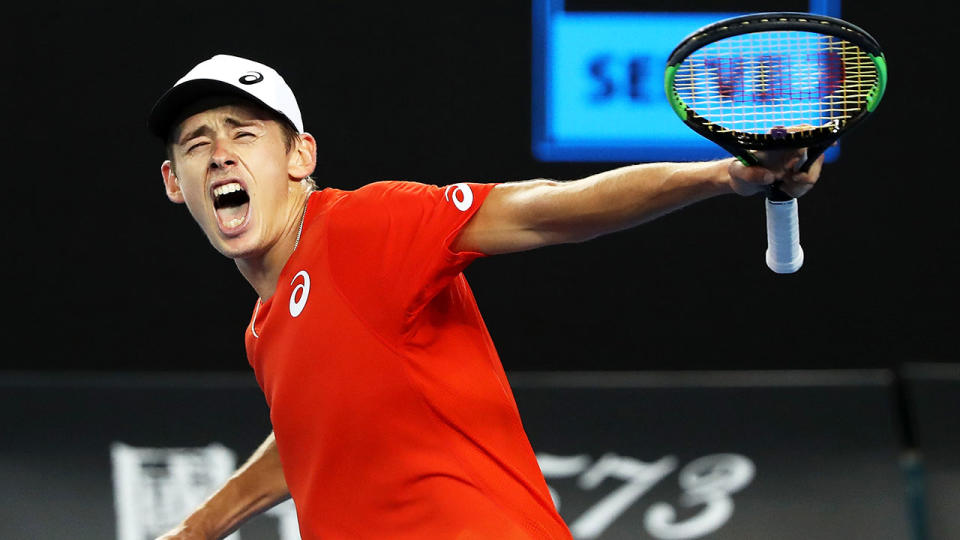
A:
(232, 169)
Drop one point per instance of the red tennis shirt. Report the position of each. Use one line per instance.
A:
(391, 410)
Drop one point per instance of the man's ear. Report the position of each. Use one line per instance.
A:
(171, 183)
(303, 157)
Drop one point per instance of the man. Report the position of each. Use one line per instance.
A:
(391, 413)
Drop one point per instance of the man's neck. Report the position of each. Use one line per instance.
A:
(263, 272)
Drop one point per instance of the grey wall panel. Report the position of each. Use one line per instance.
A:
(634, 456)
(934, 397)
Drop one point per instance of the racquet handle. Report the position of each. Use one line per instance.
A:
(784, 254)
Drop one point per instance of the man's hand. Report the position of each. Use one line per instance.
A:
(777, 165)
(256, 486)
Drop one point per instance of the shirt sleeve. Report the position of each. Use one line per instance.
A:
(390, 243)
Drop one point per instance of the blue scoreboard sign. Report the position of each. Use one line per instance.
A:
(598, 79)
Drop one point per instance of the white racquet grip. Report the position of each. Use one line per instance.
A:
(784, 254)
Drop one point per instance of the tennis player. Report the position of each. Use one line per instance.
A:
(391, 413)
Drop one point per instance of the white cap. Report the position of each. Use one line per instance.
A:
(225, 75)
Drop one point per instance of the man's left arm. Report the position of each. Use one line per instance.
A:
(525, 215)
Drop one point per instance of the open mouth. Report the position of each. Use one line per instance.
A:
(231, 203)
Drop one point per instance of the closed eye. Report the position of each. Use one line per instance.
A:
(196, 145)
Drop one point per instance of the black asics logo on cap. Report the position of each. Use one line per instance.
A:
(251, 77)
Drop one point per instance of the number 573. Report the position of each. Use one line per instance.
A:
(707, 481)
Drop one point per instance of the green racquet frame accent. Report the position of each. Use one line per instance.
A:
(874, 98)
(672, 96)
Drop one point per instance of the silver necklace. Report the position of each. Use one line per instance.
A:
(303, 214)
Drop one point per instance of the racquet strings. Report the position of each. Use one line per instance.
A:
(763, 81)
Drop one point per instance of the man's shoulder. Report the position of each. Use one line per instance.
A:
(380, 196)
(398, 188)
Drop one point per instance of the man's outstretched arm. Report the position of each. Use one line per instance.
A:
(254, 488)
(526, 215)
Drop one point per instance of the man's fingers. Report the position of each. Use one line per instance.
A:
(782, 162)
(798, 183)
(754, 175)
(782, 165)
(750, 180)
(796, 160)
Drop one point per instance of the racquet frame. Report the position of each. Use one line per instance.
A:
(816, 138)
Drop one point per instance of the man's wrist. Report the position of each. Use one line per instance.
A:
(723, 180)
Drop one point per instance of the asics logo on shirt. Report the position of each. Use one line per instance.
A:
(298, 298)
(462, 196)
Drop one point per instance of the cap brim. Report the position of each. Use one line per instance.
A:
(171, 105)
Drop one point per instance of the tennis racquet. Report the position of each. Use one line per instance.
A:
(775, 81)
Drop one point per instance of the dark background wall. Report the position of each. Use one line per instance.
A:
(102, 272)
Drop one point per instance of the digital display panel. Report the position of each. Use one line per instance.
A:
(598, 77)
